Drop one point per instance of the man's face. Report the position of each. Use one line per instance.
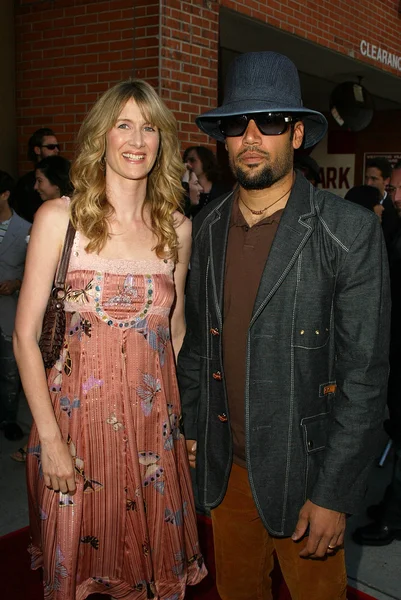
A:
(49, 147)
(395, 189)
(374, 177)
(257, 160)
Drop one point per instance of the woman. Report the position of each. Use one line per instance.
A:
(203, 164)
(367, 196)
(111, 505)
(53, 178)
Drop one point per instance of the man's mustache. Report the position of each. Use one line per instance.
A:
(251, 150)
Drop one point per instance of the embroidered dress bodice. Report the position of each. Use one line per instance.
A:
(137, 283)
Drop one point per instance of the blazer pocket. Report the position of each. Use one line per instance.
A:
(315, 432)
(315, 438)
(312, 317)
(311, 336)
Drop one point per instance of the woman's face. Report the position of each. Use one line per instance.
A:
(131, 145)
(378, 209)
(46, 190)
(194, 163)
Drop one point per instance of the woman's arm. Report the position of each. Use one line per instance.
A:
(43, 254)
(177, 324)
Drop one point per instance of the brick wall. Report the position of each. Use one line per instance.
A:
(69, 51)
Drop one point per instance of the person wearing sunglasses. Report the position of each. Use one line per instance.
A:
(42, 143)
(283, 369)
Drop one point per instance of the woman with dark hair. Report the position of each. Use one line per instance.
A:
(201, 162)
(52, 176)
(367, 196)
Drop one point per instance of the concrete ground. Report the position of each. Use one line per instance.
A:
(376, 571)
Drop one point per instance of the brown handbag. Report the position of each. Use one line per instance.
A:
(53, 328)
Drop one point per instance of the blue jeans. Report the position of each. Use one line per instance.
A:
(9, 380)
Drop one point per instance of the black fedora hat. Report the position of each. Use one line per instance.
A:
(263, 82)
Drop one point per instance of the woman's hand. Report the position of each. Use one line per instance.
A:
(58, 466)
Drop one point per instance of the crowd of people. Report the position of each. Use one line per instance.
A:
(245, 332)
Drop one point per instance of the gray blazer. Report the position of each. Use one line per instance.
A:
(12, 262)
(316, 364)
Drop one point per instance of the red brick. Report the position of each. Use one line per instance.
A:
(98, 28)
(88, 19)
(100, 67)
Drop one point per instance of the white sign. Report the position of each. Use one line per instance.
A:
(337, 171)
(380, 55)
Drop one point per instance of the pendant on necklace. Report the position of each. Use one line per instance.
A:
(257, 212)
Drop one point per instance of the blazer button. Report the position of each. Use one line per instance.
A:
(217, 376)
(310, 445)
(214, 331)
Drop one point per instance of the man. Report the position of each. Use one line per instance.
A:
(284, 365)
(377, 174)
(41, 144)
(394, 384)
(13, 232)
(386, 517)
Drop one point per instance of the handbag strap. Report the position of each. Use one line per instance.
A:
(65, 257)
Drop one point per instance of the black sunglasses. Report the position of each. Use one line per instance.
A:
(51, 146)
(267, 123)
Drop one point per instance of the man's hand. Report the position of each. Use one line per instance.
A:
(326, 530)
(9, 287)
(191, 449)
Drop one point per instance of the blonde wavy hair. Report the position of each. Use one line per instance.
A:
(90, 209)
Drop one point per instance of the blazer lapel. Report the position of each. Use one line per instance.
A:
(218, 235)
(292, 234)
(10, 236)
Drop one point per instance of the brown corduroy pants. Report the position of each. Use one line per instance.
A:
(244, 554)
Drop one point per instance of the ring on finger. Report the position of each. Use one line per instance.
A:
(330, 547)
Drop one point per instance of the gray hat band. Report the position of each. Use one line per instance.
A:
(273, 99)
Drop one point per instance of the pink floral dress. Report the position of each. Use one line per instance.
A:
(130, 529)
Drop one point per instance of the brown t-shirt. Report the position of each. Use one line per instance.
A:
(247, 252)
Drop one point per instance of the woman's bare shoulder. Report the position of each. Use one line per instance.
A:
(182, 225)
(53, 216)
(56, 211)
